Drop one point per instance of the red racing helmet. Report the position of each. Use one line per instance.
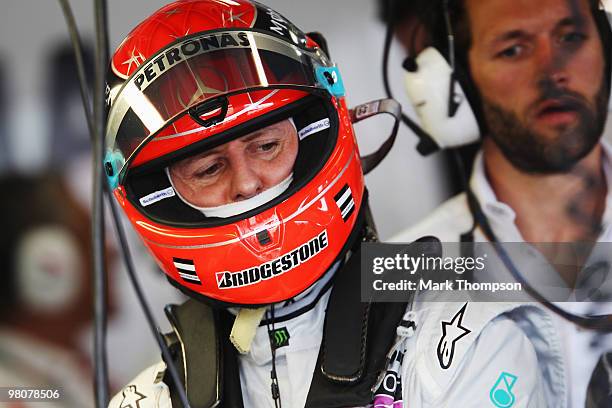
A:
(198, 74)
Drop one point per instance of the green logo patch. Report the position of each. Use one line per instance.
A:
(279, 337)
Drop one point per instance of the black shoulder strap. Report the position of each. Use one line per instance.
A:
(194, 323)
(356, 339)
(346, 318)
(232, 391)
(204, 356)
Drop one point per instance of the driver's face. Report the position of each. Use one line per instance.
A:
(239, 169)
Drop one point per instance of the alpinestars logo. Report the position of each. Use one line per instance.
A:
(274, 268)
(452, 332)
(131, 397)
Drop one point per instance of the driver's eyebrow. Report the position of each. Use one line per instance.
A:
(199, 156)
(252, 136)
(256, 134)
(243, 139)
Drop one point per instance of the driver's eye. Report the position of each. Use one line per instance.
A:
(210, 170)
(268, 146)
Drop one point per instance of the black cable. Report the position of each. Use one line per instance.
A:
(590, 322)
(274, 388)
(385, 68)
(127, 258)
(98, 239)
(463, 176)
(100, 355)
(386, 52)
(600, 323)
(77, 46)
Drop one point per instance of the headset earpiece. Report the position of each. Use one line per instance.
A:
(442, 94)
(440, 101)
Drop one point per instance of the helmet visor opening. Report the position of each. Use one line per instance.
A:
(255, 167)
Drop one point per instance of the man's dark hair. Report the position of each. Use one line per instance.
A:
(399, 11)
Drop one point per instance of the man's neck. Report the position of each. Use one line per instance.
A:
(543, 203)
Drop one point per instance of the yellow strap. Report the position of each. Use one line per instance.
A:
(244, 328)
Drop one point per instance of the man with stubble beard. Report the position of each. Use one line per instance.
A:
(539, 74)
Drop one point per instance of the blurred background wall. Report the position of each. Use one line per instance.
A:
(42, 128)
